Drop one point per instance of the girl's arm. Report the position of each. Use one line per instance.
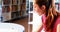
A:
(39, 28)
(58, 28)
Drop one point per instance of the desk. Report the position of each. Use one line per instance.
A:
(11, 27)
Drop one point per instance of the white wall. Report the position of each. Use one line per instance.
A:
(30, 0)
(56, 1)
(0, 10)
(0, 1)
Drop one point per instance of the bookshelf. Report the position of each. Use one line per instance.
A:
(12, 9)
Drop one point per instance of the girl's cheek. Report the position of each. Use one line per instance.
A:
(35, 9)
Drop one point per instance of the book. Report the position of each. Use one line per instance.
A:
(20, 1)
(20, 7)
(31, 6)
(15, 14)
(6, 9)
(14, 8)
(14, 1)
(23, 7)
(20, 13)
(23, 1)
(6, 2)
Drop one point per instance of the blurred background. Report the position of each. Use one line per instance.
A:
(20, 12)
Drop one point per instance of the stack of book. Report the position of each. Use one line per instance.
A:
(14, 1)
(6, 9)
(23, 7)
(14, 8)
(6, 2)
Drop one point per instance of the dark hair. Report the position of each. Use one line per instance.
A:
(47, 3)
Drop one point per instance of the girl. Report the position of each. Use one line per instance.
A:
(50, 18)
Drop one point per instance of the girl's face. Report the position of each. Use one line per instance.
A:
(37, 9)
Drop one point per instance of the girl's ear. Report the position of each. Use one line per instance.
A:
(43, 8)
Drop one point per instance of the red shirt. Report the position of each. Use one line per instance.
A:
(57, 21)
(55, 24)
